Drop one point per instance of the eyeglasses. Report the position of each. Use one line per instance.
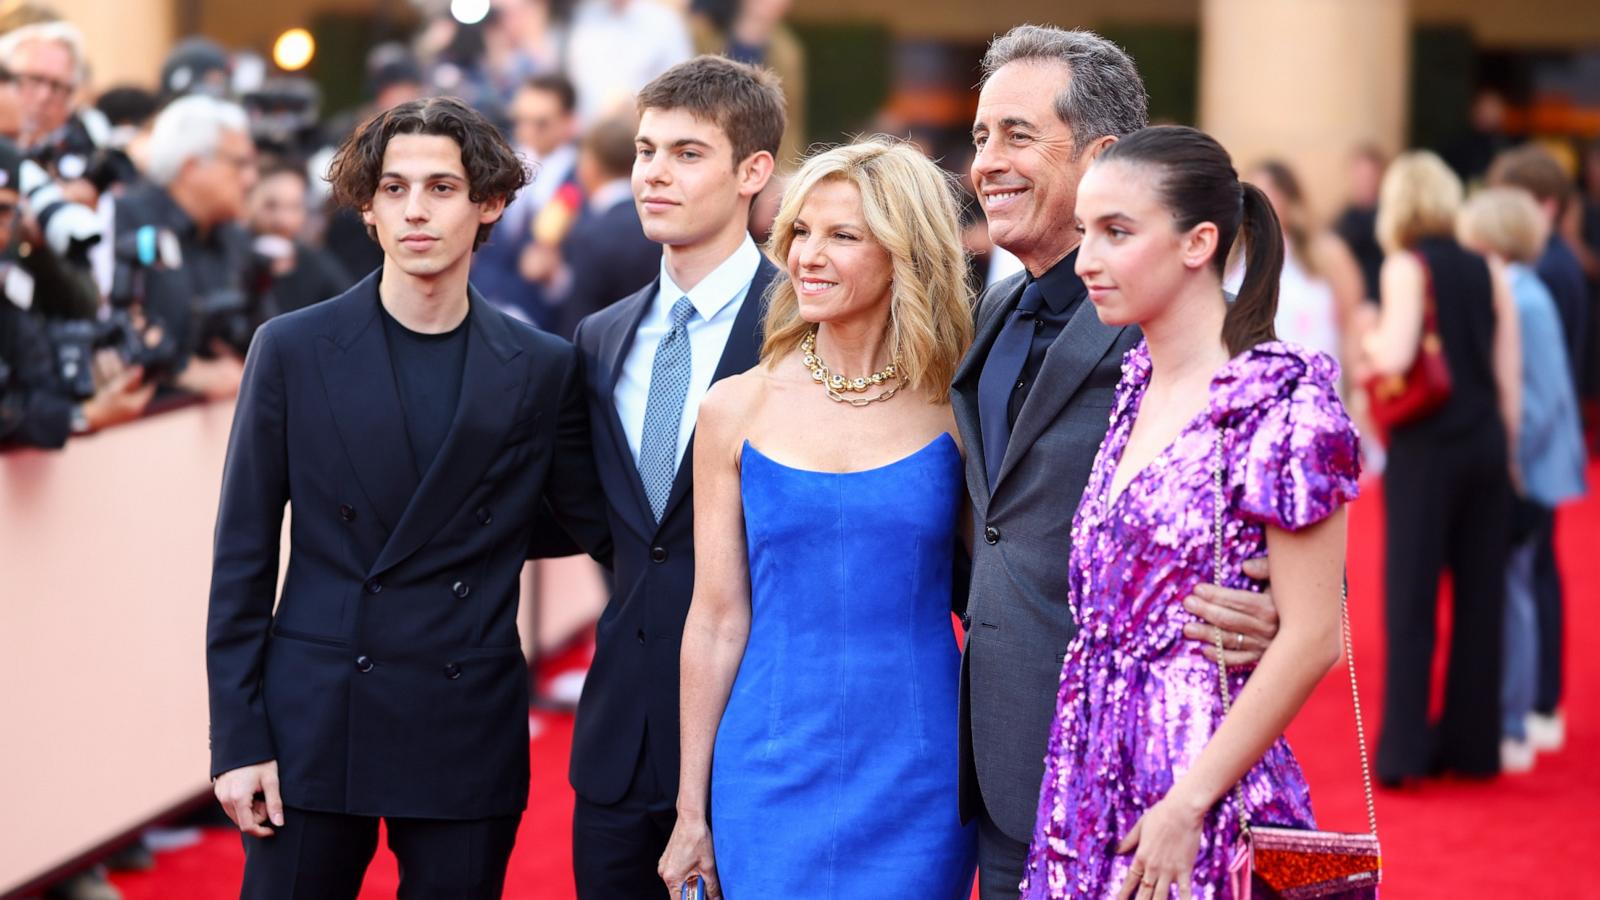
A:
(241, 162)
(54, 86)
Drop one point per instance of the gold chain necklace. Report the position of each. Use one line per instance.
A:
(834, 385)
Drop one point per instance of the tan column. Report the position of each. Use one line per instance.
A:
(1304, 81)
(126, 41)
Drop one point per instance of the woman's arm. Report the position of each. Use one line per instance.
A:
(1307, 568)
(1339, 266)
(718, 625)
(1507, 353)
(1391, 348)
(1307, 571)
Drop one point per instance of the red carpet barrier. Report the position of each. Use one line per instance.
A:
(105, 557)
(105, 564)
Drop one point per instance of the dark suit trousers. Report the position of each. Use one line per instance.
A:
(1447, 505)
(1548, 609)
(615, 847)
(324, 856)
(1001, 860)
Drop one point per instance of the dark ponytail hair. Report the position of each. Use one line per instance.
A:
(1197, 184)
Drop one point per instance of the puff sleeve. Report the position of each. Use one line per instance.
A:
(1298, 451)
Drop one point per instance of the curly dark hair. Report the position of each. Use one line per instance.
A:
(493, 168)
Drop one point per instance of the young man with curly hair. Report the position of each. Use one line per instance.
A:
(415, 432)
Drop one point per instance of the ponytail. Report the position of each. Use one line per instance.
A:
(1250, 316)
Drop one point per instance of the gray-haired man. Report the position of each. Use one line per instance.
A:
(1032, 400)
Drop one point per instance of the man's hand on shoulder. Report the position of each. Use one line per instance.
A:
(1247, 620)
(249, 795)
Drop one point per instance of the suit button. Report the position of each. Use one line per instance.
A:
(452, 671)
(347, 512)
(640, 635)
(658, 554)
(991, 535)
(484, 516)
(460, 589)
(372, 586)
(363, 664)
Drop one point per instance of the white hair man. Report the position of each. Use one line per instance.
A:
(47, 61)
(201, 165)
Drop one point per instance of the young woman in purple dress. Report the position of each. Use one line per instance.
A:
(1138, 797)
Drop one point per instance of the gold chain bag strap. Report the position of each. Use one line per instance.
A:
(1293, 863)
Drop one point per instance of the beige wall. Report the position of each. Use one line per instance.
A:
(126, 39)
(1307, 101)
(1558, 23)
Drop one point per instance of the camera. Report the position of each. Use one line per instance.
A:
(69, 228)
(138, 341)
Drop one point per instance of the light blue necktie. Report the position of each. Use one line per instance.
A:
(663, 411)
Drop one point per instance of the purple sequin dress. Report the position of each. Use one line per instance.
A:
(1138, 701)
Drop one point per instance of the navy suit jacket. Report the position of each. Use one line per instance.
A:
(631, 693)
(389, 680)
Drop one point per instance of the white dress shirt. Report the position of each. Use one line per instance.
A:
(614, 49)
(717, 300)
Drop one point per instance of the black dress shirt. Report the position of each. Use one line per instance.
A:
(1062, 290)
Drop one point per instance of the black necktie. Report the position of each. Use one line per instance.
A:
(999, 377)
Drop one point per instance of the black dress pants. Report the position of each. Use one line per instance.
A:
(1447, 507)
(324, 856)
(616, 846)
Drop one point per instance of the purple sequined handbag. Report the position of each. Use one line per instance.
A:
(1295, 863)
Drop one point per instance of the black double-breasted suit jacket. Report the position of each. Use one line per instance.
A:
(388, 679)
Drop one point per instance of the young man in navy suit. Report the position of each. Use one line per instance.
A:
(415, 431)
(708, 132)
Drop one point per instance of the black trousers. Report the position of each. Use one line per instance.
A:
(324, 856)
(616, 847)
(1447, 507)
(1548, 607)
(1001, 859)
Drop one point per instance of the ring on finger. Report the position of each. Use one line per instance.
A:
(1238, 640)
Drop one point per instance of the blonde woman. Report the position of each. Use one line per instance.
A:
(819, 666)
(1447, 488)
(1505, 224)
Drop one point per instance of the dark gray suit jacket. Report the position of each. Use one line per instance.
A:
(1018, 620)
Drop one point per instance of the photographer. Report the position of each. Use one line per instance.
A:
(301, 274)
(35, 410)
(201, 167)
(47, 61)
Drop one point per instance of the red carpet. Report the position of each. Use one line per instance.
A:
(1529, 837)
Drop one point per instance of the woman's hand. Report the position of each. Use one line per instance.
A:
(689, 853)
(1164, 843)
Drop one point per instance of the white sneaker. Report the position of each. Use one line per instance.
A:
(1516, 757)
(1547, 733)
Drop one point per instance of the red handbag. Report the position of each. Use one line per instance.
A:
(1396, 400)
(1296, 863)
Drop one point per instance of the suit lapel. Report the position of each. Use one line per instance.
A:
(964, 387)
(742, 351)
(613, 354)
(359, 381)
(1067, 363)
(494, 368)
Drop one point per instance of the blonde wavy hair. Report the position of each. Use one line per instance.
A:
(910, 209)
(1505, 221)
(1419, 197)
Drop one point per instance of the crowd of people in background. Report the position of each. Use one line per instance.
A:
(149, 229)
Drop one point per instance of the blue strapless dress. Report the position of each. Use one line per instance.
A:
(834, 774)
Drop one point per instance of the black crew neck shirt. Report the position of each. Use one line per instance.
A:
(427, 375)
